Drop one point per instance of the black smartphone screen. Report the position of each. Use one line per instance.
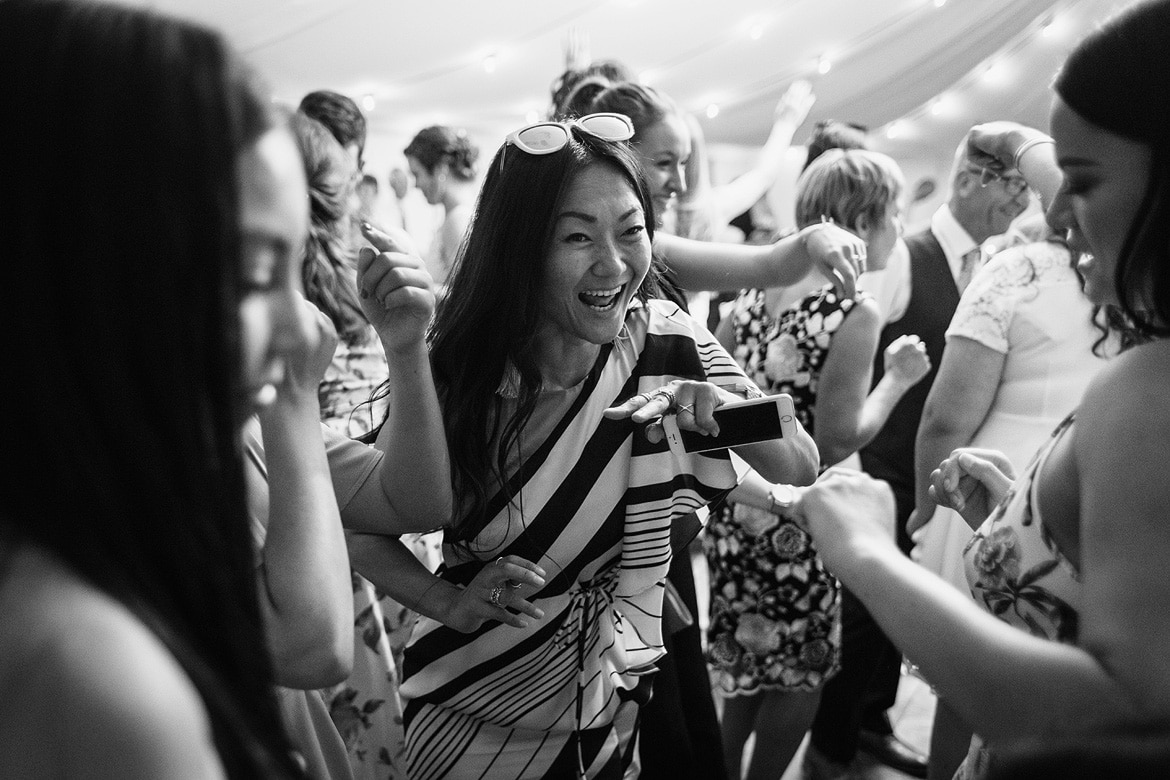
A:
(737, 425)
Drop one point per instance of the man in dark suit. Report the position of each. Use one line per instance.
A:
(982, 204)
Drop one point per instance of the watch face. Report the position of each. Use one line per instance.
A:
(784, 496)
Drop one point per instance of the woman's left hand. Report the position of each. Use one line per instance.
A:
(306, 358)
(396, 290)
(847, 511)
(694, 404)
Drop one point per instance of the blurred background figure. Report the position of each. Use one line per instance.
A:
(442, 161)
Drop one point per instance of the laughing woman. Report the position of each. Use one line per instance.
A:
(562, 531)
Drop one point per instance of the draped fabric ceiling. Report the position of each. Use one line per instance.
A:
(917, 72)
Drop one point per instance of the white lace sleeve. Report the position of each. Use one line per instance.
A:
(986, 309)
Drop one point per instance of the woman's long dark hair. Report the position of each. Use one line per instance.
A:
(1118, 79)
(122, 130)
(486, 322)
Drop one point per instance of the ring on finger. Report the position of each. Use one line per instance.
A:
(513, 584)
(497, 591)
(500, 561)
(668, 394)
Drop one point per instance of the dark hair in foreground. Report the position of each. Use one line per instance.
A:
(340, 114)
(328, 268)
(492, 307)
(122, 245)
(1118, 78)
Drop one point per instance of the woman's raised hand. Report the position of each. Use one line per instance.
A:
(972, 482)
(497, 593)
(307, 357)
(396, 291)
(837, 253)
(994, 144)
(795, 103)
(692, 402)
(906, 359)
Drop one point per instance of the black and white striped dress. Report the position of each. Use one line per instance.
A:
(593, 506)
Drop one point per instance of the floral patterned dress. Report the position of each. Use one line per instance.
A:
(1018, 574)
(366, 708)
(775, 610)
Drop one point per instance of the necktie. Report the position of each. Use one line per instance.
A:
(970, 262)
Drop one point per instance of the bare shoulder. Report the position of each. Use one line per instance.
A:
(1123, 424)
(862, 321)
(93, 691)
(1128, 401)
(1122, 459)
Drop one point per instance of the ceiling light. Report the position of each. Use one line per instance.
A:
(824, 65)
(368, 102)
(996, 74)
(712, 110)
(1053, 28)
(941, 105)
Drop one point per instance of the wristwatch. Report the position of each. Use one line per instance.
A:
(781, 499)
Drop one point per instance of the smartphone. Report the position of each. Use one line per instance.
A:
(741, 422)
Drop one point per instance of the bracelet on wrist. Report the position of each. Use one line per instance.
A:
(1026, 145)
(750, 392)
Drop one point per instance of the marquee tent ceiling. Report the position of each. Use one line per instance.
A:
(487, 64)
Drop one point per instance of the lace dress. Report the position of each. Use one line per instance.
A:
(1026, 304)
(775, 609)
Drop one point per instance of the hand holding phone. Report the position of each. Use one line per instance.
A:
(740, 423)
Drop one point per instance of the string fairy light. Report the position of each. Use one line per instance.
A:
(993, 71)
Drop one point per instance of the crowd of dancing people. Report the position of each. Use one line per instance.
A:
(324, 505)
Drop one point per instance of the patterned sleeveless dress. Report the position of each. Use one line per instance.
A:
(1017, 573)
(775, 610)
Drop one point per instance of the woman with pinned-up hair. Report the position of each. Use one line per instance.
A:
(442, 161)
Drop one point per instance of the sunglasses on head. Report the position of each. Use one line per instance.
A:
(549, 137)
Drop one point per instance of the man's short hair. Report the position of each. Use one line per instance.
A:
(338, 113)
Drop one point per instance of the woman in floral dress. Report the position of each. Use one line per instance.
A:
(774, 636)
(1062, 655)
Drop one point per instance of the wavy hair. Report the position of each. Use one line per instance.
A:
(124, 248)
(328, 271)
